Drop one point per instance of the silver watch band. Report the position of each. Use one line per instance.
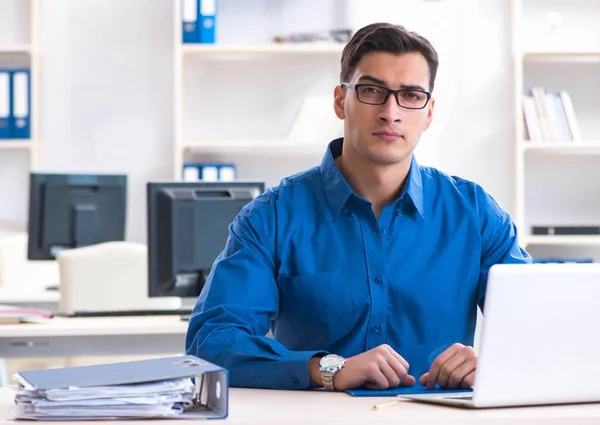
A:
(327, 379)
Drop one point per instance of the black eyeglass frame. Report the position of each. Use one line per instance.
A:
(356, 87)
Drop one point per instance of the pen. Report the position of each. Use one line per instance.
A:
(386, 405)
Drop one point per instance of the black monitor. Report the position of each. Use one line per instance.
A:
(74, 210)
(188, 225)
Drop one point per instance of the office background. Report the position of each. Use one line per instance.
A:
(107, 89)
(107, 96)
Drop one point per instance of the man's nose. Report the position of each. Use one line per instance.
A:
(391, 111)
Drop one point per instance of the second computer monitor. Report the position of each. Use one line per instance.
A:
(74, 210)
(188, 226)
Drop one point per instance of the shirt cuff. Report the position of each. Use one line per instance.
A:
(293, 369)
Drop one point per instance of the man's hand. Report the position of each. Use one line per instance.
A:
(454, 368)
(379, 368)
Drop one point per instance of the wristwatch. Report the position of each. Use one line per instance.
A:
(328, 367)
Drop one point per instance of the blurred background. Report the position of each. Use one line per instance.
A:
(225, 90)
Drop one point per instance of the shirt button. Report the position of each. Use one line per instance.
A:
(398, 213)
(382, 231)
(379, 280)
(376, 328)
(351, 213)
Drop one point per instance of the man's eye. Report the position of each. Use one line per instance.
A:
(413, 95)
(372, 89)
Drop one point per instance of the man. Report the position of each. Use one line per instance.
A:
(369, 268)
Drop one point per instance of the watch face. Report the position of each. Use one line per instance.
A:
(331, 360)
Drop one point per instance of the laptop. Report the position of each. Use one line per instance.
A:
(540, 339)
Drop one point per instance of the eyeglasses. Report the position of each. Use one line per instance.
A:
(377, 95)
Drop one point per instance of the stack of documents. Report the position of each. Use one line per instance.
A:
(11, 314)
(160, 388)
(157, 399)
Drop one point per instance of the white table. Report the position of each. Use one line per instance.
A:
(263, 407)
(68, 337)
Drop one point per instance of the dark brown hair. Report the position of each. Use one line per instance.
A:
(385, 37)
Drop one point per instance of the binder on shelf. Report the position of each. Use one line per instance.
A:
(227, 172)
(208, 172)
(171, 387)
(21, 101)
(190, 172)
(5, 104)
(189, 21)
(207, 21)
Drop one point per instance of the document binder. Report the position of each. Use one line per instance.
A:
(5, 104)
(21, 99)
(189, 21)
(211, 382)
(207, 21)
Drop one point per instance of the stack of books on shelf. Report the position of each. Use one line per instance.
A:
(549, 116)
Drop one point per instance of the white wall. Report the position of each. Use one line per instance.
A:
(107, 81)
(472, 130)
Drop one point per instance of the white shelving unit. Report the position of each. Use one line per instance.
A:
(556, 44)
(231, 131)
(22, 50)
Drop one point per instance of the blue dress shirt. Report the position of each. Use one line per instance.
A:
(309, 261)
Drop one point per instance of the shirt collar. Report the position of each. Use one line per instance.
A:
(414, 186)
(338, 191)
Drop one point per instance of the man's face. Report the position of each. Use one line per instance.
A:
(388, 133)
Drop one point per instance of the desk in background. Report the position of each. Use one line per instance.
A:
(264, 407)
(98, 336)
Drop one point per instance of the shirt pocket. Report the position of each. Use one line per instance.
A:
(317, 309)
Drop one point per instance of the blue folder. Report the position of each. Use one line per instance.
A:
(21, 104)
(207, 14)
(189, 21)
(5, 104)
(393, 392)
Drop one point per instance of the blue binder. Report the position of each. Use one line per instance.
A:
(21, 104)
(189, 21)
(207, 13)
(5, 104)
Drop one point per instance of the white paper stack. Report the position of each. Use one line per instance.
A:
(166, 398)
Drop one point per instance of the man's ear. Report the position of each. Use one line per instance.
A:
(338, 101)
(429, 118)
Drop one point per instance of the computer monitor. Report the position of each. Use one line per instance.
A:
(188, 226)
(74, 210)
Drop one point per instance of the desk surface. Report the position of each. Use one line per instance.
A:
(260, 407)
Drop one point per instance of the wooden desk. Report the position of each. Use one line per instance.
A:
(68, 337)
(263, 407)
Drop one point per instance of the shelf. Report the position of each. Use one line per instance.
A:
(9, 144)
(263, 147)
(261, 49)
(563, 56)
(17, 48)
(591, 147)
(584, 240)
